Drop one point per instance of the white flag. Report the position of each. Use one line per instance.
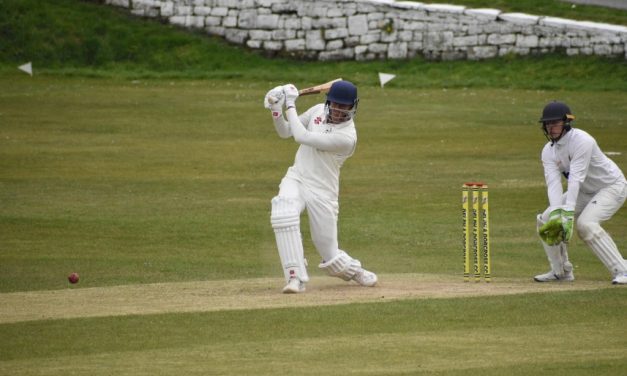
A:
(28, 68)
(384, 78)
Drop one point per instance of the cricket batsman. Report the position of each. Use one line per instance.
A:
(596, 191)
(327, 137)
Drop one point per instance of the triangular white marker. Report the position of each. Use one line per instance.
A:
(384, 78)
(28, 68)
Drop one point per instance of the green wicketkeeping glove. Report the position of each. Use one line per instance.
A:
(551, 236)
(567, 219)
(552, 232)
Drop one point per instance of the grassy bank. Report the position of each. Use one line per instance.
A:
(78, 38)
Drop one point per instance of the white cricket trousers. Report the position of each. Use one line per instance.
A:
(322, 214)
(596, 207)
(592, 209)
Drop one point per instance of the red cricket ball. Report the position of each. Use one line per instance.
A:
(73, 278)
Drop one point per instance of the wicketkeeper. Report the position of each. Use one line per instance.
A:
(327, 137)
(596, 191)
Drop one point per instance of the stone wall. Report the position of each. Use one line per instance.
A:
(383, 29)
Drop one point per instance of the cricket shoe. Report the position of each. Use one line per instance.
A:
(620, 279)
(365, 278)
(552, 277)
(294, 286)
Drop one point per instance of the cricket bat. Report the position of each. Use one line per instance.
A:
(322, 88)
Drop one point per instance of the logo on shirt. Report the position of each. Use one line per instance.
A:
(319, 121)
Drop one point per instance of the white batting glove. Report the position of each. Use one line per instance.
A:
(274, 99)
(291, 93)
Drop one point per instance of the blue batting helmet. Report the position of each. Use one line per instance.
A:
(343, 92)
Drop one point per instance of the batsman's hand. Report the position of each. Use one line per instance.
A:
(291, 94)
(274, 99)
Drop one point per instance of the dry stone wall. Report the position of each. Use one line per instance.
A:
(383, 29)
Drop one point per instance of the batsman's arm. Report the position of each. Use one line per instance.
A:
(333, 142)
(274, 101)
(281, 126)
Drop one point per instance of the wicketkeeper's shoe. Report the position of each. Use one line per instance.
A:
(294, 286)
(620, 279)
(568, 276)
(365, 278)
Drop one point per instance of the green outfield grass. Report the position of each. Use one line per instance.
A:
(558, 334)
(171, 180)
(132, 182)
(140, 170)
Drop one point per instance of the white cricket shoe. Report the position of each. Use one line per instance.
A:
(365, 278)
(552, 277)
(620, 279)
(294, 286)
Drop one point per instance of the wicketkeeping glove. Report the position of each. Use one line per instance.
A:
(551, 236)
(567, 219)
(291, 93)
(552, 232)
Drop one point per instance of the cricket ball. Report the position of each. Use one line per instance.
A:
(73, 278)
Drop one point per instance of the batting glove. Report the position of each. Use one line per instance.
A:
(274, 100)
(291, 93)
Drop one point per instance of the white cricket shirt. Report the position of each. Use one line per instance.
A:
(324, 148)
(577, 156)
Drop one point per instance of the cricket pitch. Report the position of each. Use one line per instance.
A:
(260, 293)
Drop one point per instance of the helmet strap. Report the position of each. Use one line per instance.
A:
(567, 127)
(349, 114)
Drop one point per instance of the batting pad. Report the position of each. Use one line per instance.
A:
(605, 249)
(342, 266)
(285, 220)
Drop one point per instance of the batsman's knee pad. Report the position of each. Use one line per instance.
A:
(285, 219)
(284, 212)
(342, 266)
